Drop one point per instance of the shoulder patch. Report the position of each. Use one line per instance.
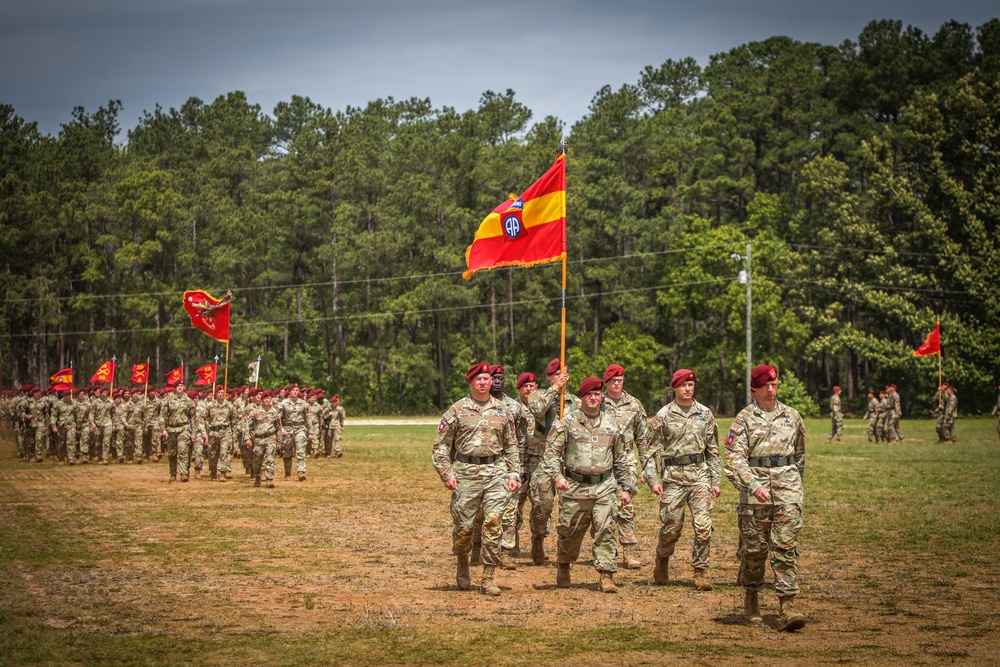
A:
(730, 438)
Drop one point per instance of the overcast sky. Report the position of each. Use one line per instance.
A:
(59, 54)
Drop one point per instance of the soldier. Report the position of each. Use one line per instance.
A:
(949, 412)
(102, 426)
(336, 428)
(294, 415)
(539, 489)
(134, 430)
(150, 423)
(262, 424)
(836, 417)
(198, 431)
(64, 426)
(176, 427)
(118, 425)
(996, 411)
(627, 411)
(872, 416)
(886, 415)
(685, 439)
(895, 413)
(766, 458)
(82, 410)
(37, 420)
(544, 407)
(586, 455)
(250, 401)
(510, 545)
(475, 454)
(218, 418)
(315, 423)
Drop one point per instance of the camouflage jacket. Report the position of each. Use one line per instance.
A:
(951, 406)
(757, 434)
(835, 406)
(102, 412)
(583, 445)
(262, 425)
(520, 416)
(874, 408)
(628, 412)
(64, 415)
(220, 417)
(544, 407)
(471, 429)
(675, 433)
(294, 414)
(177, 413)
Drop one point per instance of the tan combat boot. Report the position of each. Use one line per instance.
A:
(538, 549)
(477, 549)
(562, 576)
(489, 588)
(788, 620)
(607, 583)
(506, 562)
(751, 609)
(661, 573)
(462, 576)
(701, 582)
(630, 559)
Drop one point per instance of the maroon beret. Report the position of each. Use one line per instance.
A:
(553, 367)
(762, 375)
(836, 387)
(477, 369)
(682, 376)
(335, 397)
(524, 378)
(496, 370)
(588, 385)
(614, 370)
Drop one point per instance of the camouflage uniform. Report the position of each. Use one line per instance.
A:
(102, 426)
(118, 422)
(314, 426)
(520, 417)
(885, 418)
(336, 430)
(151, 423)
(628, 411)
(591, 454)
(177, 419)
(294, 415)
(872, 416)
(199, 433)
(219, 418)
(64, 423)
(134, 431)
(836, 419)
(948, 415)
(82, 409)
(686, 443)
(262, 427)
(544, 407)
(767, 449)
(895, 412)
(476, 447)
(38, 420)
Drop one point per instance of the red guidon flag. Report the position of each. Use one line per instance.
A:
(62, 379)
(932, 344)
(175, 376)
(209, 314)
(206, 374)
(105, 373)
(140, 373)
(525, 230)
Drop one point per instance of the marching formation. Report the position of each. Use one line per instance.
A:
(496, 454)
(77, 426)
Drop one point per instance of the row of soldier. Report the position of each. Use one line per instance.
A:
(496, 454)
(136, 425)
(883, 414)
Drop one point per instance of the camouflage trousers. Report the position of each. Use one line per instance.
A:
(120, 440)
(41, 440)
(83, 437)
(263, 457)
(698, 498)
(836, 427)
(486, 492)
(331, 440)
(540, 495)
(892, 429)
(769, 530)
(135, 439)
(219, 454)
(294, 444)
(100, 441)
(872, 430)
(626, 524)
(178, 445)
(600, 515)
(67, 442)
(945, 429)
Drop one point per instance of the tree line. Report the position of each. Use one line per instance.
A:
(866, 176)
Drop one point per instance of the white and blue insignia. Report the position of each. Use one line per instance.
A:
(511, 220)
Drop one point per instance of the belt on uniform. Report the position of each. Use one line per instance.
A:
(216, 429)
(588, 479)
(686, 460)
(476, 460)
(770, 461)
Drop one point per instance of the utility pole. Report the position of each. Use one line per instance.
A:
(744, 279)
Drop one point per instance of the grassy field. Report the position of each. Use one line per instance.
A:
(899, 564)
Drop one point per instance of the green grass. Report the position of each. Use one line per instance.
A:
(352, 568)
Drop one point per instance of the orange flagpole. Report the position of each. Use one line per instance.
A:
(562, 333)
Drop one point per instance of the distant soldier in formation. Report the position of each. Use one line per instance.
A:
(836, 417)
(765, 461)
(315, 424)
(871, 414)
(587, 455)
(685, 439)
(895, 412)
(519, 416)
(262, 424)
(294, 416)
(996, 411)
(885, 415)
(176, 426)
(335, 430)
(102, 425)
(219, 419)
(82, 425)
(946, 412)
(64, 425)
(475, 454)
(118, 424)
(536, 488)
(627, 411)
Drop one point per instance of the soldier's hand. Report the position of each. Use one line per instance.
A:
(451, 484)
(626, 498)
(562, 485)
(716, 490)
(513, 485)
(762, 494)
(657, 489)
